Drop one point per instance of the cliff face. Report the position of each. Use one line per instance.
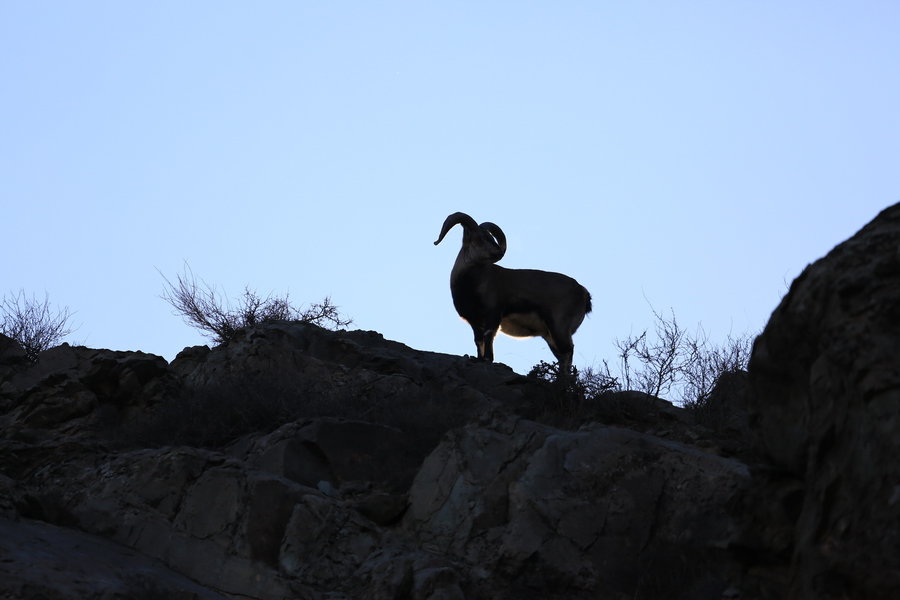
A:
(826, 409)
(294, 462)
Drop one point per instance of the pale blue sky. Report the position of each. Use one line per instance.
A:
(696, 154)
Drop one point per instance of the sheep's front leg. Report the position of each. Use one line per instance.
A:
(479, 341)
(487, 344)
(484, 342)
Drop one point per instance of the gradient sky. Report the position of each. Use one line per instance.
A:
(695, 156)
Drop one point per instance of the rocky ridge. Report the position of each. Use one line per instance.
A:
(295, 462)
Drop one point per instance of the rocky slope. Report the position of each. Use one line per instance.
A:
(294, 462)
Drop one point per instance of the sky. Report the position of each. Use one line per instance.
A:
(690, 157)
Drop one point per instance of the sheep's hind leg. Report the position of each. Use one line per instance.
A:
(563, 351)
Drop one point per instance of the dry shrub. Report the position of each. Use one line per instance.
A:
(202, 306)
(33, 323)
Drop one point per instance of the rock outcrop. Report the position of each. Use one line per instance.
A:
(294, 462)
(600, 512)
(826, 409)
(298, 462)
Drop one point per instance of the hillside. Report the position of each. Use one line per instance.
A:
(296, 462)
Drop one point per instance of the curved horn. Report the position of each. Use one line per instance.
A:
(457, 218)
(498, 235)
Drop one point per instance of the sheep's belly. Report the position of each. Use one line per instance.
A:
(523, 325)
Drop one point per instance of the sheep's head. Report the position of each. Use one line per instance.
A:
(481, 243)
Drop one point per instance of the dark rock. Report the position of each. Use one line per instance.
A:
(314, 499)
(578, 512)
(12, 356)
(55, 563)
(278, 373)
(189, 359)
(382, 508)
(199, 512)
(337, 451)
(724, 412)
(77, 389)
(826, 408)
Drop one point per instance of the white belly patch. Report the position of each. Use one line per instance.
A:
(523, 325)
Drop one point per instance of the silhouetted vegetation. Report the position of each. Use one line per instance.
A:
(659, 362)
(33, 323)
(202, 306)
(672, 359)
(589, 395)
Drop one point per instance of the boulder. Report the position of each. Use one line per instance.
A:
(11, 354)
(593, 513)
(825, 409)
(200, 513)
(78, 390)
(73, 564)
(336, 451)
(276, 373)
(227, 526)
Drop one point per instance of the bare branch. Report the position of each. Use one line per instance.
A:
(675, 360)
(203, 307)
(33, 323)
(324, 314)
(706, 364)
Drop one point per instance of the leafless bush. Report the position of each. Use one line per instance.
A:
(33, 323)
(570, 399)
(675, 359)
(588, 383)
(204, 307)
(670, 360)
(706, 363)
(660, 357)
(590, 395)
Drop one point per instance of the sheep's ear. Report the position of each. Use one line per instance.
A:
(457, 218)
